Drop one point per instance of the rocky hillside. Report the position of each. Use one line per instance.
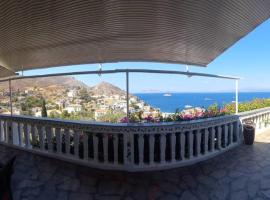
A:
(105, 88)
(63, 82)
(48, 82)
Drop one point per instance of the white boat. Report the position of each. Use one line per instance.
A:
(188, 106)
(207, 99)
(167, 94)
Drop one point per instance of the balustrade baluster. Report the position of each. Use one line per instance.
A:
(33, 134)
(219, 137)
(225, 135)
(58, 140)
(125, 146)
(263, 120)
(67, 141)
(213, 136)
(267, 120)
(115, 148)
(85, 146)
(206, 137)
(141, 148)
(5, 130)
(237, 132)
(132, 152)
(1, 131)
(76, 137)
(162, 148)
(152, 148)
(9, 132)
(183, 145)
(95, 142)
(17, 132)
(26, 135)
(41, 137)
(49, 138)
(257, 123)
(190, 144)
(173, 142)
(231, 133)
(198, 142)
(105, 147)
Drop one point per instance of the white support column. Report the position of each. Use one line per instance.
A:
(127, 94)
(236, 96)
(10, 97)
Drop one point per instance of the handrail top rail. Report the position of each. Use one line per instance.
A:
(121, 125)
(253, 112)
(242, 115)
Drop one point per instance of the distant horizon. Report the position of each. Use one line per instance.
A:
(204, 92)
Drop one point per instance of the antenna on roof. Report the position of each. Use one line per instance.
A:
(100, 68)
(22, 70)
(187, 69)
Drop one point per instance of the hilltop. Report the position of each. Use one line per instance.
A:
(45, 83)
(51, 84)
(105, 88)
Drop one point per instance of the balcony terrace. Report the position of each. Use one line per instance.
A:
(60, 159)
(241, 173)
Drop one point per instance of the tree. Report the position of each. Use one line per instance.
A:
(65, 115)
(44, 109)
(84, 95)
(54, 114)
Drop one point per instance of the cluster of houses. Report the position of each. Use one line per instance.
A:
(71, 102)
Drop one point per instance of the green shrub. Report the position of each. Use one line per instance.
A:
(247, 106)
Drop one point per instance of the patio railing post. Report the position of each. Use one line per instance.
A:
(236, 96)
(127, 94)
(10, 97)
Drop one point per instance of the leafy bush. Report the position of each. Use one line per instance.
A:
(247, 106)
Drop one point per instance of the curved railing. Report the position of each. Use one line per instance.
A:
(260, 117)
(128, 147)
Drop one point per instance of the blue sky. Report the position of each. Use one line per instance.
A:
(249, 58)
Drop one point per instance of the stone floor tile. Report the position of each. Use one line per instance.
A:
(242, 173)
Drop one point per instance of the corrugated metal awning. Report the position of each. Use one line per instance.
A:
(36, 34)
(5, 73)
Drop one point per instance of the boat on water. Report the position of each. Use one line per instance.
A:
(188, 106)
(207, 99)
(167, 94)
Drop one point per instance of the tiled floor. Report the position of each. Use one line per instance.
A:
(242, 173)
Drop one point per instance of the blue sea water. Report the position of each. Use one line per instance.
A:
(181, 100)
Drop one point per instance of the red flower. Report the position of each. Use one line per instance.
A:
(124, 120)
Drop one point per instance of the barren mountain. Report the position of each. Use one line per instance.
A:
(105, 88)
(47, 82)
(53, 84)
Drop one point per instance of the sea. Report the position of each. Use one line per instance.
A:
(170, 102)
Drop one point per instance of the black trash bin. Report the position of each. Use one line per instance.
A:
(249, 133)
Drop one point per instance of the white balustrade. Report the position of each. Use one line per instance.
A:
(128, 147)
(260, 117)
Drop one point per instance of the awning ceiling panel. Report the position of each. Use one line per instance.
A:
(4, 72)
(43, 33)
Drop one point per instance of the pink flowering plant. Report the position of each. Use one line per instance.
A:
(185, 115)
(150, 118)
(124, 120)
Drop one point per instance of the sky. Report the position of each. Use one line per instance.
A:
(249, 59)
